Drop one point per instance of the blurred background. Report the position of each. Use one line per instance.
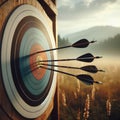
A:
(94, 20)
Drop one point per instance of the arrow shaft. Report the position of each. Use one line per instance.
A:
(69, 67)
(68, 59)
(41, 66)
(66, 73)
(57, 60)
(50, 50)
(79, 44)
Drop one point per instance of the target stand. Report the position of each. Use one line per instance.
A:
(25, 92)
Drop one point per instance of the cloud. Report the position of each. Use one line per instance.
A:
(74, 9)
(77, 15)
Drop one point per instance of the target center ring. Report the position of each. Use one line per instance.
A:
(39, 62)
(36, 61)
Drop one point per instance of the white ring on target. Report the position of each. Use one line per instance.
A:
(19, 104)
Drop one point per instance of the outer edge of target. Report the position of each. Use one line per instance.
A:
(23, 108)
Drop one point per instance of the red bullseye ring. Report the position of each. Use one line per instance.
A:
(35, 63)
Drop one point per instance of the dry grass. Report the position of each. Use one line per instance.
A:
(76, 92)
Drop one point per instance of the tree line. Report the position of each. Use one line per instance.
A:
(107, 46)
(110, 45)
(62, 41)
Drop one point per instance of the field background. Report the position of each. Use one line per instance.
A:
(96, 102)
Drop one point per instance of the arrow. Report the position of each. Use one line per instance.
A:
(87, 79)
(88, 68)
(88, 57)
(79, 44)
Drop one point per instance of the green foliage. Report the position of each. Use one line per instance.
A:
(62, 41)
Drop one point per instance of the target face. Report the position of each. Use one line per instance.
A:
(29, 87)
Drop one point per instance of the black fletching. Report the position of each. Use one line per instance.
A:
(87, 79)
(81, 43)
(90, 68)
(88, 57)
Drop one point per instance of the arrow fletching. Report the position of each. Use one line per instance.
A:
(90, 68)
(88, 57)
(87, 79)
(81, 43)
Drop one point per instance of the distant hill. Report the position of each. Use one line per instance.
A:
(109, 46)
(98, 33)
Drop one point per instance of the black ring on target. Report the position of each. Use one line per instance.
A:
(23, 26)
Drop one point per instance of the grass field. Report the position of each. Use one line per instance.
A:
(96, 102)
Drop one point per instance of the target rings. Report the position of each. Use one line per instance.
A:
(29, 87)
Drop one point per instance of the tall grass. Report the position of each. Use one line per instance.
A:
(97, 102)
(86, 108)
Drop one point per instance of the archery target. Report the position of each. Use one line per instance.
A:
(29, 87)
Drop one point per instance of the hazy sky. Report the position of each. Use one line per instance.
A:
(77, 15)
